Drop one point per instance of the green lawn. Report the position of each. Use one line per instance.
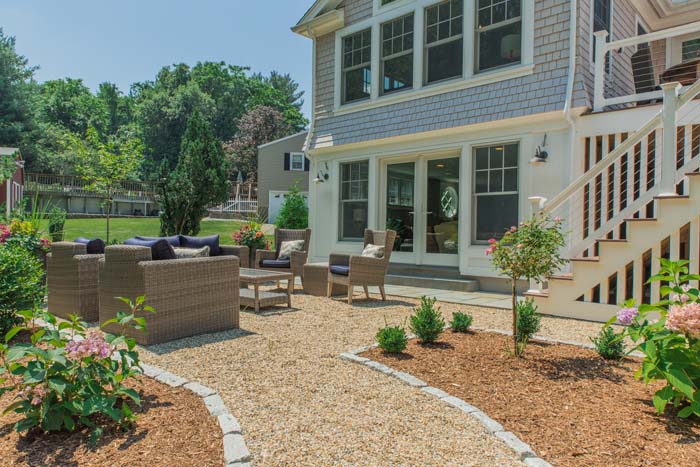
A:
(121, 228)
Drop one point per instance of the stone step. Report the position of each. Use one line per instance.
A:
(457, 285)
(416, 270)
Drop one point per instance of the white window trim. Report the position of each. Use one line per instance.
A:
(291, 161)
(469, 78)
(340, 237)
(379, 8)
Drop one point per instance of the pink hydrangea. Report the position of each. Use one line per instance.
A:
(4, 233)
(513, 229)
(93, 345)
(627, 315)
(684, 319)
(490, 249)
(683, 298)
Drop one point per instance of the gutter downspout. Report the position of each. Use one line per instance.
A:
(568, 104)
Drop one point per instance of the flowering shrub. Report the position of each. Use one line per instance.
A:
(252, 236)
(21, 284)
(671, 343)
(529, 251)
(23, 234)
(68, 377)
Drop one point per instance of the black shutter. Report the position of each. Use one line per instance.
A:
(307, 164)
(286, 161)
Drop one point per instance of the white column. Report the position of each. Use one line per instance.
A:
(599, 73)
(621, 286)
(418, 41)
(468, 28)
(668, 154)
(374, 62)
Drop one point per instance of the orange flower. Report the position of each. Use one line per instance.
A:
(258, 234)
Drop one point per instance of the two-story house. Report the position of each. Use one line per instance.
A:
(450, 121)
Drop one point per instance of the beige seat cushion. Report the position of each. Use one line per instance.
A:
(373, 251)
(183, 253)
(286, 249)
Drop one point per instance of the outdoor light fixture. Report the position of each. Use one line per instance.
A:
(541, 154)
(322, 175)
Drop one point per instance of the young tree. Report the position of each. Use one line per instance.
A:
(294, 213)
(199, 182)
(530, 251)
(259, 126)
(105, 165)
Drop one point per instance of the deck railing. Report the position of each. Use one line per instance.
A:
(72, 186)
(632, 70)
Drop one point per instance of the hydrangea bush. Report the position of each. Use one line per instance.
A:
(671, 343)
(68, 377)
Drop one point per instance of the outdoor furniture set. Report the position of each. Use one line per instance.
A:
(198, 295)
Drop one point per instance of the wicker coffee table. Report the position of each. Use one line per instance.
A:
(257, 298)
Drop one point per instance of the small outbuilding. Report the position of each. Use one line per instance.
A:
(12, 190)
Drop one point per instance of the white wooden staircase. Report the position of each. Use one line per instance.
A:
(637, 200)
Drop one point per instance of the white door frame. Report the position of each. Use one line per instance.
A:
(420, 195)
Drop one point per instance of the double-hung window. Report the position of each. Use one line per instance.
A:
(354, 193)
(499, 33)
(297, 161)
(444, 41)
(357, 73)
(495, 190)
(397, 54)
(602, 21)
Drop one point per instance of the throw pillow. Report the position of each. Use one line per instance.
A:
(174, 241)
(183, 253)
(286, 249)
(160, 249)
(93, 247)
(373, 251)
(198, 242)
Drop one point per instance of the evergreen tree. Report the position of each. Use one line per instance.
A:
(294, 213)
(15, 99)
(199, 181)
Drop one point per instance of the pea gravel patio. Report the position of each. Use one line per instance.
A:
(300, 404)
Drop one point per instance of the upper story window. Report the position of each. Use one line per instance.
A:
(602, 21)
(444, 41)
(386, 2)
(357, 74)
(499, 33)
(297, 161)
(397, 54)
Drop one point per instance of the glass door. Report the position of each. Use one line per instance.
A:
(400, 207)
(442, 211)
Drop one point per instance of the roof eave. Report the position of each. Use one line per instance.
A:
(322, 24)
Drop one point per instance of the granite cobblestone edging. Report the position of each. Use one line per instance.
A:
(521, 449)
(236, 453)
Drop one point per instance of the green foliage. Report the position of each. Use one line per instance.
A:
(529, 323)
(199, 182)
(670, 344)
(531, 251)
(8, 167)
(57, 222)
(427, 322)
(106, 165)
(294, 213)
(609, 344)
(392, 339)
(461, 322)
(68, 377)
(15, 96)
(21, 283)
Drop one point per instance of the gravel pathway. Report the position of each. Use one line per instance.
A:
(299, 404)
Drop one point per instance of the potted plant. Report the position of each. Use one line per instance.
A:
(252, 236)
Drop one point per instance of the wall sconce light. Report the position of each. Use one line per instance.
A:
(322, 175)
(541, 154)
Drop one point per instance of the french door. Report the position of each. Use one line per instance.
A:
(421, 203)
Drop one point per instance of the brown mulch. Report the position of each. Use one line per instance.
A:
(173, 429)
(574, 408)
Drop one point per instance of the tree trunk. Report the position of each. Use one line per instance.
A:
(514, 305)
(109, 212)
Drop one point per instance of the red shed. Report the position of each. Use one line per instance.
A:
(12, 190)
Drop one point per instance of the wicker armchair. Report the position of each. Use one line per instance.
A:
(72, 281)
(298, 259)
(241, 251)
(190, 296)
(352, 270)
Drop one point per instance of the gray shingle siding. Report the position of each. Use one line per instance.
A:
(620, 80)
(357, 10)
(543, 91)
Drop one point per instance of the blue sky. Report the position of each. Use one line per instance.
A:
(124, 41)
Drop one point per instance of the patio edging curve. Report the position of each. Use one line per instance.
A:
(236, 452)
(521, 449)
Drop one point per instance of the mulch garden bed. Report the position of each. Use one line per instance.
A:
(173, 429)
(574, 408)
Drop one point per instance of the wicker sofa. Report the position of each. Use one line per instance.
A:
(298, 259)
(242, 252)
(352, 270)
(72, 281)
(190, 296)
